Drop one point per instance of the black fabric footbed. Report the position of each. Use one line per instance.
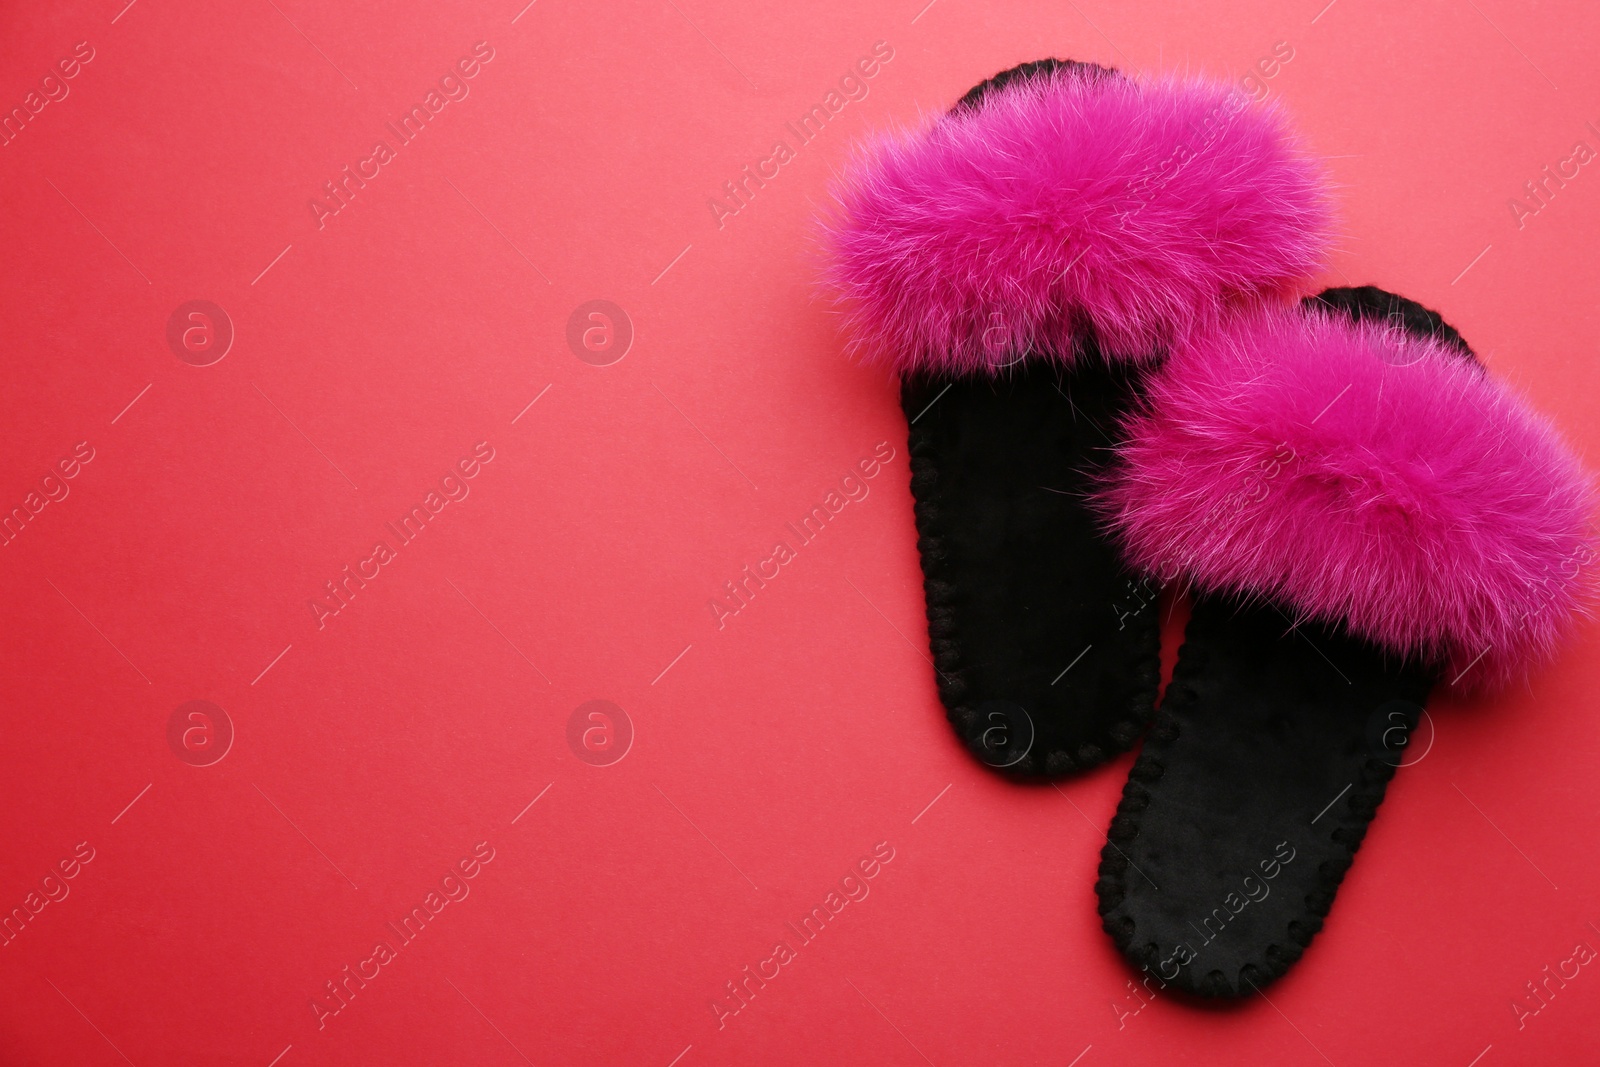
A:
(1267, 761)
(1046, 649)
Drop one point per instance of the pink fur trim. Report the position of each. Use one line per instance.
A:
(1064, 204)
(1360, 476)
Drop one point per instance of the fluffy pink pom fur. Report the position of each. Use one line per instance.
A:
(1364, 477)
(1064, 204)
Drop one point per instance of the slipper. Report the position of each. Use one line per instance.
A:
(1362, 515)
(1022, 263)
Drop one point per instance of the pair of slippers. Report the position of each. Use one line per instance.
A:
(1086, 283)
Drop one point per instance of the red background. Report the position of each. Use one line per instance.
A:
(371, 354)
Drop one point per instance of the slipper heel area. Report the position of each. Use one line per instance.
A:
(1269, 758)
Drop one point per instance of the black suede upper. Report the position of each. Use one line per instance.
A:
(1368, 303)
(1024, 71)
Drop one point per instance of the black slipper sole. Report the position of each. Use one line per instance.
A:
(1047, 650)
(1245, 808)
(1268, 760)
